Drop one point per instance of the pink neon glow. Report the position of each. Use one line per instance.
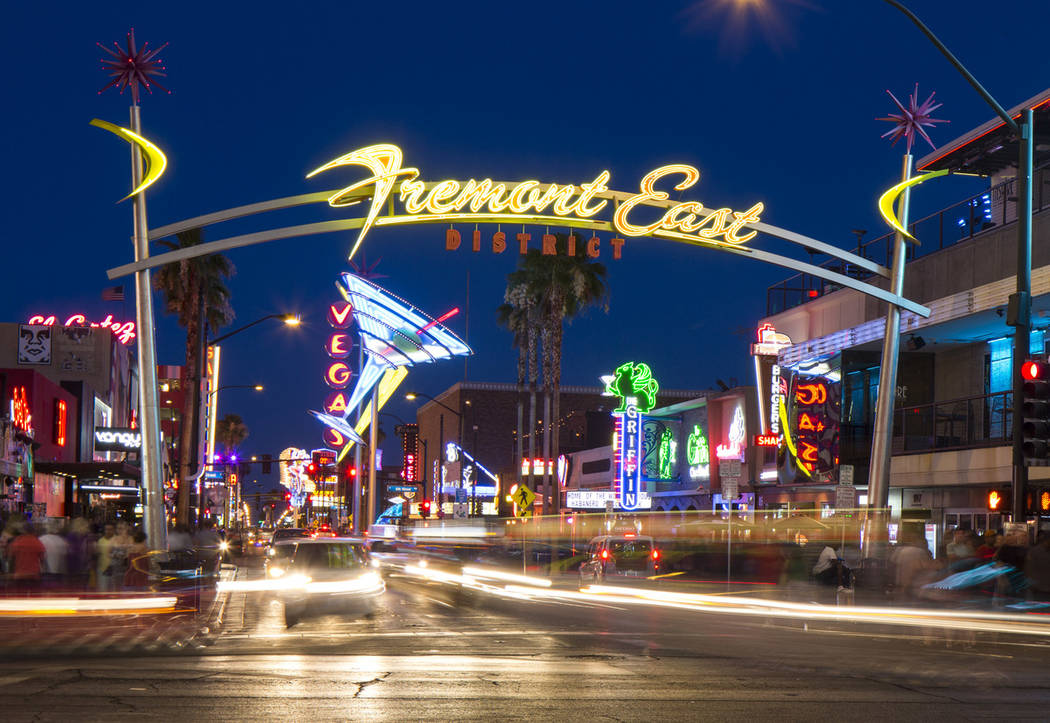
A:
(440, 319)
(125, 331)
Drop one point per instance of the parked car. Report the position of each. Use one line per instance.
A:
(622, 555)
(327, 575)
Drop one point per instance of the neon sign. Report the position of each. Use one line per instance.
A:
(698, 455)
(486, 201)
(812, 393)
(627, 454)
(634, 385)
(767, 440)
(21, 414)
(61, 420)
(668, 453)
(125, 331)
(734, 447)
(770, 341)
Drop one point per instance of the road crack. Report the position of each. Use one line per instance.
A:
(361, 686)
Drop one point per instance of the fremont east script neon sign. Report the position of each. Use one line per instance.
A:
(486, 201)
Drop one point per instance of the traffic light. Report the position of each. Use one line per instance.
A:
(1036, 427)
(312, 470)
(287, 496)
(245, 469)
(1042, 502)
(424, 508)
(267, 463)
(998, 500)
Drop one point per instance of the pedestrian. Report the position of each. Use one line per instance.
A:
(80, 545)
(959, 549)
(27, 555)
(57, 554)
(137, 576)
(912, 562)
(1037, 569)
(988, 546)
(12, 529)
(104, 558)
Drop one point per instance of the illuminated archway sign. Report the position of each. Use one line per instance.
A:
(590, 205)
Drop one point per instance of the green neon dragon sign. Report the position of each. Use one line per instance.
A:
(635, 382)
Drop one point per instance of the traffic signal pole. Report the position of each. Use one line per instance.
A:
(1021, 309)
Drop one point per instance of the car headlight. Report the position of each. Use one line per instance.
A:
(275, 571)
(224, 546)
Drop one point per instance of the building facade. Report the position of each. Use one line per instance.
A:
(952, 426)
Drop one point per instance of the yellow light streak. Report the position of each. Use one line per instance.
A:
(156, 161)
(391, 380)
(887, 200)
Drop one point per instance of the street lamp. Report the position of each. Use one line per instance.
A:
(256, 387)
(194, 463)
(411, 396)
(287, 319)
(1020, 305)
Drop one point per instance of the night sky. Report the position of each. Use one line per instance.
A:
(556, 91)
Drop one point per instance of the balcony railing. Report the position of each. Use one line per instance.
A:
(992, 208)
(966, 423)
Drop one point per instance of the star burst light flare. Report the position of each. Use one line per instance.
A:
(911, 120)
(132, 67)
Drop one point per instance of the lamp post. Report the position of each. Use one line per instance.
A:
(212, 393)
(1020, 306)
(288, 319)
(197, 465)
(441, 436)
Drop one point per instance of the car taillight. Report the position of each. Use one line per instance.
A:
(656, 554)
(605, 554)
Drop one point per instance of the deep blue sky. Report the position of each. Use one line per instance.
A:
(265, 92)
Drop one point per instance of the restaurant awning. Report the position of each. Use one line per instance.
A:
(91, 470)
(992, 147)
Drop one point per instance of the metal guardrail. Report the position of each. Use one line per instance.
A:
(964, 423)
(962, 221)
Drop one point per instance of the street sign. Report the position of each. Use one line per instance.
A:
(523, 498)
(845, 497)
(729, 468)
(402, 488)
(730, 488)
(845, 474)
(459, 510)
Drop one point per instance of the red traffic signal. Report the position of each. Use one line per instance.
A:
(311, 470)
(287, 496)
(1034, 370)
(424, 508)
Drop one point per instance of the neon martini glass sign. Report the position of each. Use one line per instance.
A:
(394, 334)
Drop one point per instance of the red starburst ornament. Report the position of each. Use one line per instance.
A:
(911, 120)
(131, 67)
(366, 271)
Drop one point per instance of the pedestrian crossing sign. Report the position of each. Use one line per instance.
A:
(523, 497)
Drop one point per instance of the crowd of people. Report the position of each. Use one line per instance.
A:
(1011, 569)
(76, 555)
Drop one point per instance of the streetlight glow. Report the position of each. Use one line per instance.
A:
(410, 396)
(258, 387)
(293, 320)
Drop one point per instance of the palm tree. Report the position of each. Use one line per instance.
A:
(520, 296)
(516, 320)
(230, 431)
(558, 287)
(194, 289)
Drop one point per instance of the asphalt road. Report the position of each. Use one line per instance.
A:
(432, 653)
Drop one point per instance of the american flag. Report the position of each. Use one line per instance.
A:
(113, 293)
